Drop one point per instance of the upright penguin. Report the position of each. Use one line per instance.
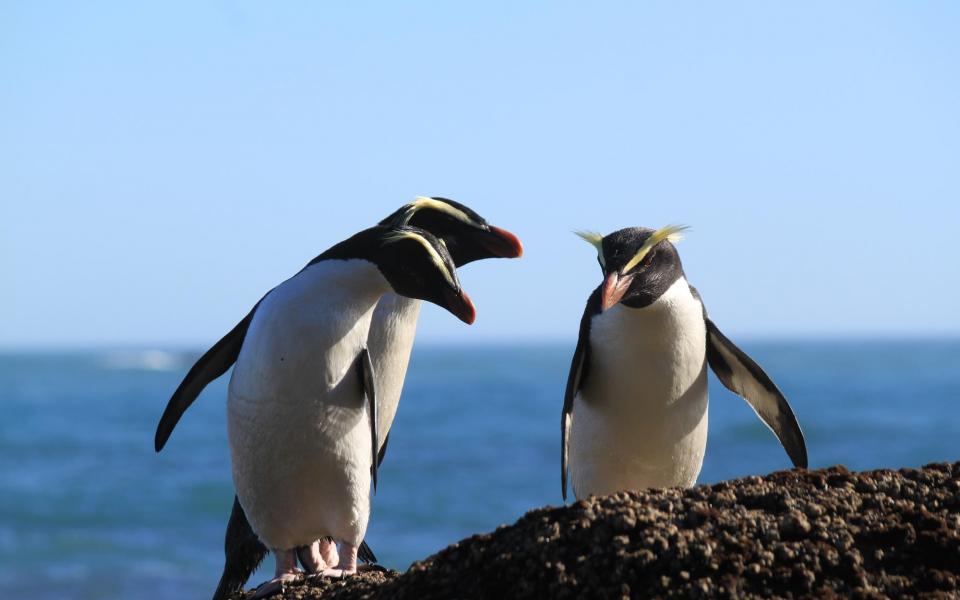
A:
(468, 237)
(301, 406)
(635, 408)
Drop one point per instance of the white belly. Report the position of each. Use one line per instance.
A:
(298, 426)
(640, 419)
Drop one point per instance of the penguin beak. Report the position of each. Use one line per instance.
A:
(459, 303)
(614, 287)
(501, 243)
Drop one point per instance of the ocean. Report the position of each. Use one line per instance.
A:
(88, 510)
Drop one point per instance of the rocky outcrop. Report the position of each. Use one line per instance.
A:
(793, 534)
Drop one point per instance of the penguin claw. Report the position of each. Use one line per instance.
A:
(277, 585)
(336, 573)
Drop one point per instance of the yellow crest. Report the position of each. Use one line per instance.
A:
(594, 239)
(438, 262)
(672, 233)
(422, 202)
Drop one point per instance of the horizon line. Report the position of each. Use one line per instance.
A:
(491, 341)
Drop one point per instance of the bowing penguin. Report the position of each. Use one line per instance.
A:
(301, 404)
(468, 237)
(635, 408)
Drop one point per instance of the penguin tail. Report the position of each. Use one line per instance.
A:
(243, 552)
(365, 554)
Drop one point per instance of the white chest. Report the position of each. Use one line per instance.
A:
(646, 358)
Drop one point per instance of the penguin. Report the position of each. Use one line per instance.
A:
(635, 407)
(468, 237)
(302, 399)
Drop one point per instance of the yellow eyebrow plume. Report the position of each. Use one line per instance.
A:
(672, 233)
(591, 237)
(594, 239)
(421, 202)
(438, 262)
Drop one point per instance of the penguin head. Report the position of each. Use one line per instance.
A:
(639, 264)
(468, 237)
(417, 264)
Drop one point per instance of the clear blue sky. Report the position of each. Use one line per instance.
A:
(163, 164)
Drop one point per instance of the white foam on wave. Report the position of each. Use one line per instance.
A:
(143, 360)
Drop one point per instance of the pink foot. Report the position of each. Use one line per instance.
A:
(318, 556)
(310, 558)
(346, 566)
(286, 572)
(328, 550)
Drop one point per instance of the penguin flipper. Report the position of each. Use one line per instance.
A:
(211, 365)
(243, 552)
(579, 367)
(743, 376)
(383, 450)
(370, 392)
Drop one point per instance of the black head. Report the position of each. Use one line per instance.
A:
(638, 264)
(417, 264)
(467, 235)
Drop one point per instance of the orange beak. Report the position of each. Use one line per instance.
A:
(614, 287)
(502, 243)
(460, 305)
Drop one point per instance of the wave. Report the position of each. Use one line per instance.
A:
(145, 360)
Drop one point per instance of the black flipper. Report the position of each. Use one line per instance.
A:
(579, 368)
(218, 359)
(744, 377)
(211, 365)
(242, 551)
(370, 391)
(383, 450)
(365, 553)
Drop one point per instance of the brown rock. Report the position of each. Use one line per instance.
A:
(826, 534)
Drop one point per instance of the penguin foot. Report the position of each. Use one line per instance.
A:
(286, 572)
(328, 551)
(318, 556)
(347, 564)
(277, 585)
(335, 573)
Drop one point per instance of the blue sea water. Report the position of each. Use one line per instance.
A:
(88, 510)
